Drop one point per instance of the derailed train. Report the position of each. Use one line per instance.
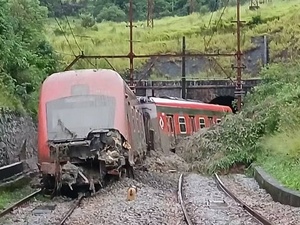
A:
(91, 125)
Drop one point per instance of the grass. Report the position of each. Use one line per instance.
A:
(110, 38)
(282, 158)
(14, 192)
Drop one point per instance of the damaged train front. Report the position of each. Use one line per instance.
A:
(84, 145)
(84, 165)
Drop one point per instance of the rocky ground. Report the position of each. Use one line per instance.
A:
(38, 212)
(206, 204)
(156, 203)
(248, 191)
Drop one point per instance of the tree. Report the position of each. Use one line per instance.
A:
(100, 8)
(26, 58)
(111, 13)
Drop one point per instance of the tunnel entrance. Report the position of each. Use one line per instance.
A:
(224, 100)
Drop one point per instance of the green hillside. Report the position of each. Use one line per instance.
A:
(109, 38)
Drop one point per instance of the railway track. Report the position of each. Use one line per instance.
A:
(188, 217)
(19, 213)
(19, 203)
(71, 210)
(251, 211)
(181, 202)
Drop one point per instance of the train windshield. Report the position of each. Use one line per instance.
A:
(74, 117)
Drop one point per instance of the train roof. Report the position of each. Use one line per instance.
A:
(84, 74)
(182, 103)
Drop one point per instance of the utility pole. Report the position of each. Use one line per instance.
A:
(150, 12)
(183, 79)
(239, 66)
(131, 53)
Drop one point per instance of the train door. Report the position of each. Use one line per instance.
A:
(149, 133)
(171, 132)
(193, 125)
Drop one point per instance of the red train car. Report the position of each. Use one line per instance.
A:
(178, 118)
(90, 125)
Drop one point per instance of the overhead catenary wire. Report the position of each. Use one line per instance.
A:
(211, 36)
(80, 49)
(72, 33)
(219, 20)
(210, 19)
(61, 29)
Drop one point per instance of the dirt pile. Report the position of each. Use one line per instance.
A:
(165, 162)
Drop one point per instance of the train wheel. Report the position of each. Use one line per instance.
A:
(48, 185)
(129, 172)
(122, 173)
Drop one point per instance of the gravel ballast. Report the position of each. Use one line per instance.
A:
(156, 203)
(29, 214)
(204, 203)
(248, 191)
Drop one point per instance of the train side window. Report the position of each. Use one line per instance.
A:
(201, 122)
(193, 126)
(218, 120)
(171, 125)
(182, 125)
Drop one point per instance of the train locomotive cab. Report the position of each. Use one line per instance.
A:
(83, 133)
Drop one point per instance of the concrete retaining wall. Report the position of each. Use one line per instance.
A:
(278, 192)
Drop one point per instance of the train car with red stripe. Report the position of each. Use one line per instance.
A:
(178, 118)
(89, 126)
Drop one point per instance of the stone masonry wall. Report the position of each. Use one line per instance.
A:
(18, 139)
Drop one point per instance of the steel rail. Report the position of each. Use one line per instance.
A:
(19, 203)
(180, 198)
(255, 214)
(71, 210)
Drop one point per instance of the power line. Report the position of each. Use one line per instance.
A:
(72, 33)
(211, 16)
(61, 29)
(71, 30)
(222, 13)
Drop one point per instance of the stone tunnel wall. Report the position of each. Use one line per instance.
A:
(18, 139)
(203, 90)
(170, 68)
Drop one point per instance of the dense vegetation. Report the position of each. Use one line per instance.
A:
(26, 58)
(265, 132)
(117, 10)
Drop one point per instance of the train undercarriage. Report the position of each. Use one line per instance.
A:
(87, 165)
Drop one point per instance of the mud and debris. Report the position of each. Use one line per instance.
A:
(159, 161)
(88, 161)
(69, 174)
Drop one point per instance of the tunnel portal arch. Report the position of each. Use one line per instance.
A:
(224, 100)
